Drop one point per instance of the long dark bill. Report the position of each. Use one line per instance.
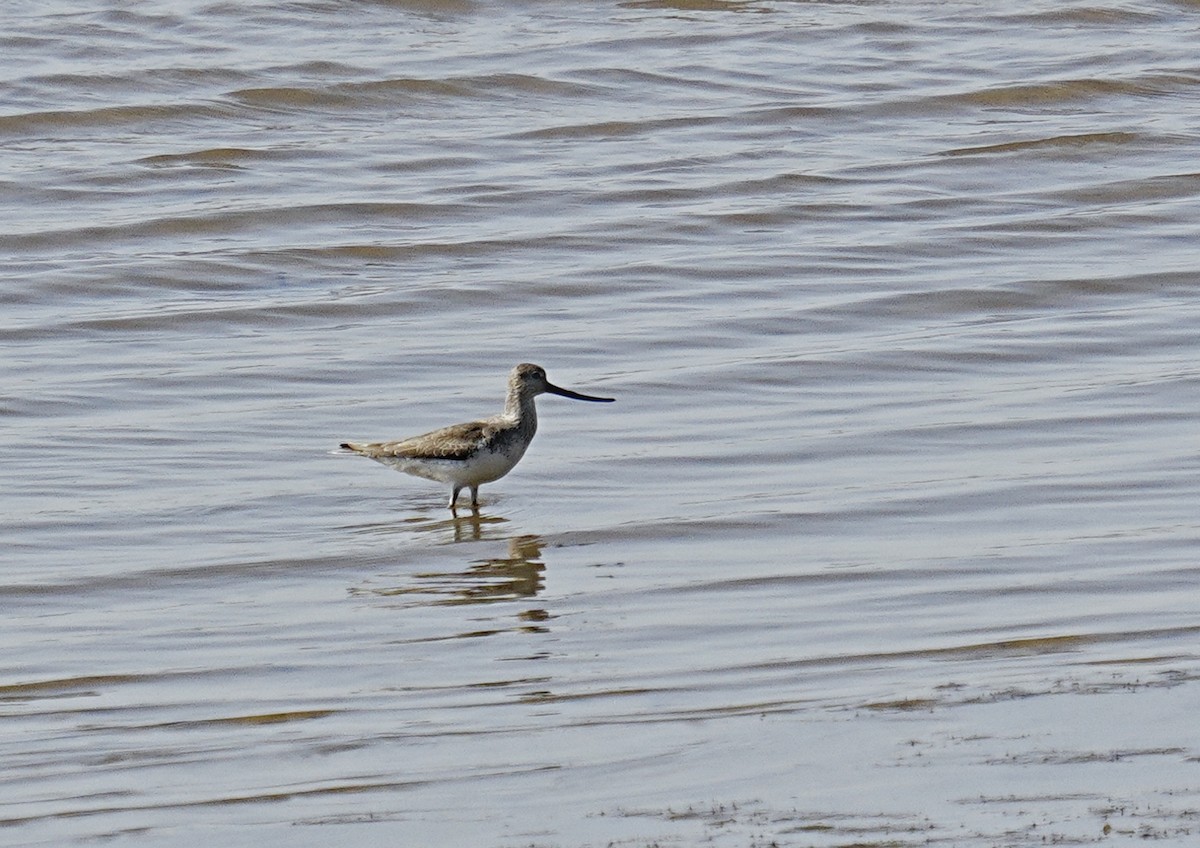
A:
(567, 393)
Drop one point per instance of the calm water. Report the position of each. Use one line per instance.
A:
(891, 537)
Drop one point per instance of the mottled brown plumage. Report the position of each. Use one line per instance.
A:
(469, 455)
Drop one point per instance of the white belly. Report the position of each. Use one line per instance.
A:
(482, 467)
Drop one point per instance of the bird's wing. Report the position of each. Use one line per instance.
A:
(455, 442)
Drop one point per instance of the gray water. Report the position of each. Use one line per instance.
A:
(889, 539)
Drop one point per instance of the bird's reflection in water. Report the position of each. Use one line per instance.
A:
(517, 575)
(464, 527)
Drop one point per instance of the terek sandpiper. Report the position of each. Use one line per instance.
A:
(468, 455)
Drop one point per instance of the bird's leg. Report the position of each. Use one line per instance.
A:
(454, 497)
(475, 498)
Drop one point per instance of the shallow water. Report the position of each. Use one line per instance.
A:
(890, 537)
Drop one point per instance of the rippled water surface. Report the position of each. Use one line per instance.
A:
(890, 538)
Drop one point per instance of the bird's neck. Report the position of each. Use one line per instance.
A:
(520, 408)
